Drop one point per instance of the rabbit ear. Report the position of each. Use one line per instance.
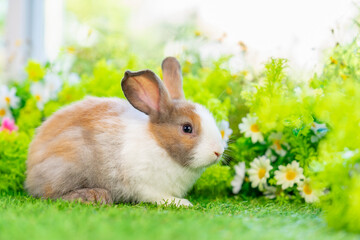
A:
(145, 92)
(172, 77)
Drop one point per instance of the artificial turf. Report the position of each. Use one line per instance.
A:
(23, 217)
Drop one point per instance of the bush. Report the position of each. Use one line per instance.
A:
(13, 153)
(215, 181)
(338, 169)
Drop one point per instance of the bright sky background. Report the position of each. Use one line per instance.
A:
(299, 30)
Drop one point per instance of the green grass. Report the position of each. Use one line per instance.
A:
(23, 217)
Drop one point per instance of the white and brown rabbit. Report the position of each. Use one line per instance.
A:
(151, 148)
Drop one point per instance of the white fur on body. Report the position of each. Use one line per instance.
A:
(128, 160)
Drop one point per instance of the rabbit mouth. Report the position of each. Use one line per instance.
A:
(202, 165)
(212, 163)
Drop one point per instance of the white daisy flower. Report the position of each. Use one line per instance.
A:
(288, 175)
(238, 180)
(5, 112)
(53, 84)
(250, 128)
(8, 96)
(277, 143)
(307, 192)
(225, 131)
(259, 171)
(41, 94)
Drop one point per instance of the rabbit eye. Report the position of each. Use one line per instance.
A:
(187, 128)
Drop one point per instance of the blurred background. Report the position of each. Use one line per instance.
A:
(82, 32)
(281, 78)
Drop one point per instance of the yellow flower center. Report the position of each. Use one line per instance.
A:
(2, 112)
(38, 97)
(222, 133)
(307, 189)
(7, 99)
(277, 144)
(254, 128)
(290, 175)
(261, 173)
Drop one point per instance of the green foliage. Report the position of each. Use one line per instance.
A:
(51, 107)
(332, 161)
(208, 87)
(341, 203)
(215, 181)
(30, 117)
(35, 71)
(339, 157)
(112, 40)
(105, 81)
(274, 103)
(283, 119)
(302, 149)
(22, 91)
(243, 150)
(13, 153)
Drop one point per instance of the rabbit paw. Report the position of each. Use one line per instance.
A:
(89, 195)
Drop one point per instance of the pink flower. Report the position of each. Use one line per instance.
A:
(8, 124)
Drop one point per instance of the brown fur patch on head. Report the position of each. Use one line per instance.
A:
(167, 131)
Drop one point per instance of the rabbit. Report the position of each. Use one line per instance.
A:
(151, 148)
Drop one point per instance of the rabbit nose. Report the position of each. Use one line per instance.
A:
(217, 154)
